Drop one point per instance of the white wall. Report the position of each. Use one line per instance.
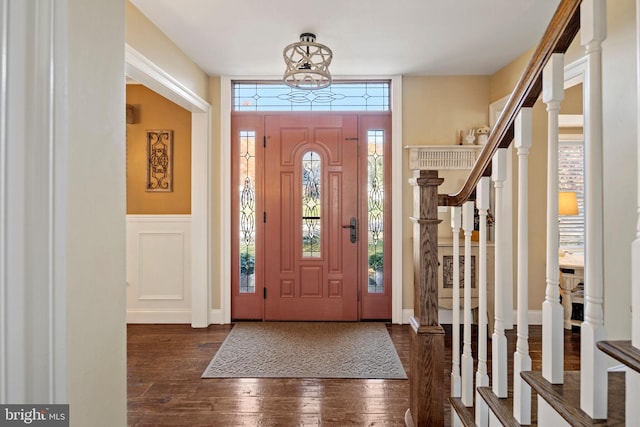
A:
(620, 168)
(62, 207)
(95, 213)
(146, 38)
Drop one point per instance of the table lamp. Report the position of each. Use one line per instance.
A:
(567, 205)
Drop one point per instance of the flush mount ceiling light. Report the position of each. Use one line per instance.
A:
(307, 63)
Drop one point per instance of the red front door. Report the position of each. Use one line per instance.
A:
(311, 207)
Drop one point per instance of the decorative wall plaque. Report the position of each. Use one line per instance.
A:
(159, 160)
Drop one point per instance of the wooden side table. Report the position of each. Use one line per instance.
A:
(571, 275)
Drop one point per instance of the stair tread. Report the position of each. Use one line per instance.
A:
(503, 407)
(565, 398)
(623, 352)
(465, 413)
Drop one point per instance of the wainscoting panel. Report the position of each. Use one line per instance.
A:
(158, 268)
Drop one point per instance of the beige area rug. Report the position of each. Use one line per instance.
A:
(307, 350)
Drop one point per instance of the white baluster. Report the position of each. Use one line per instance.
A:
(482, 378)
(455, 345)
(507, 242)
(499, 340)
(552, 311)
(467, 356)
(593, 369)
(521, 358)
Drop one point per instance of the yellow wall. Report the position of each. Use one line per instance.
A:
(153, 112)
(502, 83)
(505, 79)
(572, 103)
(434, 110)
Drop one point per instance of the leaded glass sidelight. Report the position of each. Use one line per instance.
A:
(247, 206)
(311, 204)
(375, 203)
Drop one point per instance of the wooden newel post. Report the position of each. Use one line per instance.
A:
(427, 336)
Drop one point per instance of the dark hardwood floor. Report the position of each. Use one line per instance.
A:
(165, 389)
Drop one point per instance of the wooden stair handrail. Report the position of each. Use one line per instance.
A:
(561, 31)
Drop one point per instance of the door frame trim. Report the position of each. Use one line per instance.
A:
(143, 70)
(396, 192)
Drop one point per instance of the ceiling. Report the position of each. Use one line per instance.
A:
(368, 37)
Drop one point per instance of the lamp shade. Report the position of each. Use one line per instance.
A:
(567, 203)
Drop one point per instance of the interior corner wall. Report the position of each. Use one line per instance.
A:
(435, 109)
(154, 112)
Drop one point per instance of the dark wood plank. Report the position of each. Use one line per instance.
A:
(565, 398)
(164, 385)
(503, 408)
(466, 414)
(165, 389)
(623, 352)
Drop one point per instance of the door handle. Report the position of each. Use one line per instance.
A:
(353, 229)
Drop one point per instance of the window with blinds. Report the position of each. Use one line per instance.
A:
(571, 178)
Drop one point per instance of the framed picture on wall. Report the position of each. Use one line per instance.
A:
(159, 160)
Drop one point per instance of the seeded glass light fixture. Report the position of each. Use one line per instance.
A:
(307, 63)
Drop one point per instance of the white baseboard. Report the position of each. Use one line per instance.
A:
(158, 316)
(216, 317)
(535, 317)
(170, 316)
(445, 316)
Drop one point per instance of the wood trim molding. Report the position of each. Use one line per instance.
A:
(225, 194)
(33, 213)
(162, 316)
(397, 186)
(397, 155)
(144, 71)
(535, 316)
(149, 74)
